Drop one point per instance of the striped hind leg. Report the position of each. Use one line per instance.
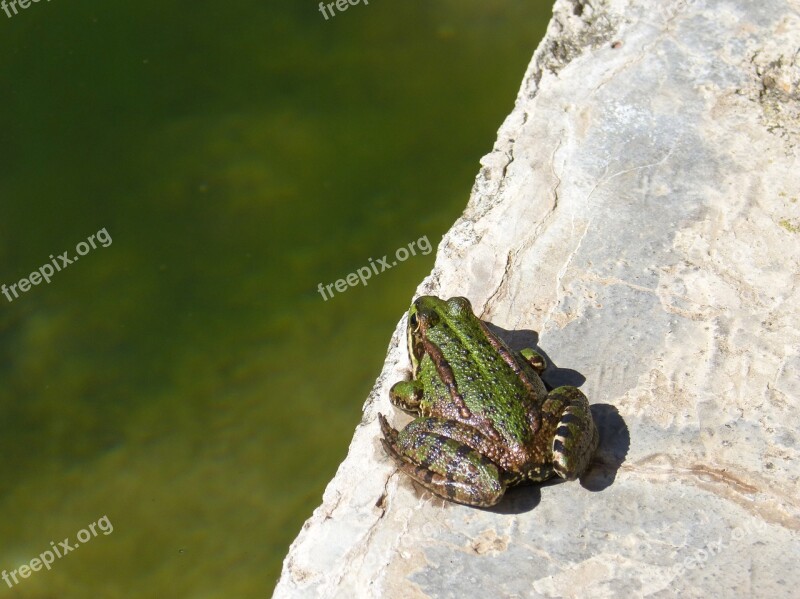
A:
(442, 456)
(575, 436)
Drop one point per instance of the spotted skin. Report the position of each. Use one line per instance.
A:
(485, 420)
(449, 468)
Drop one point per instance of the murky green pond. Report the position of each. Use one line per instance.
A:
(177, 181)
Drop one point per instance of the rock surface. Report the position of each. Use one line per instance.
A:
(640, 211)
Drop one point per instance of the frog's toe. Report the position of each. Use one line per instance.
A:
(391, 450)
(389, 432)
(389, 441)
(534, 359)
(576, 435)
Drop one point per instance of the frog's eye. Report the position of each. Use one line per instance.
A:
(425, 318)
(413, 322)
(460, 305)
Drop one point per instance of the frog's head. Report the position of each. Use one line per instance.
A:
(429, 313)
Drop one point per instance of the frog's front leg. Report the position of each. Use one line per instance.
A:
(407, 395)
(575, 435)
(441, 455)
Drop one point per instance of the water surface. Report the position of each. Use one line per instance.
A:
(187, 380)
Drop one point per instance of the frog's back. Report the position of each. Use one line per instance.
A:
(500, 393)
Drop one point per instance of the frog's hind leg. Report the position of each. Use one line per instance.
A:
(575, 437)
(434, 452)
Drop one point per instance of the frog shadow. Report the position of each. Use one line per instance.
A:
(614, 442)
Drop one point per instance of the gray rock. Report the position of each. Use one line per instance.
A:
(640, 212)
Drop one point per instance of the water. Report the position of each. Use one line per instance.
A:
(186, 380)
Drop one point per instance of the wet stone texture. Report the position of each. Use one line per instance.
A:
(639, 220)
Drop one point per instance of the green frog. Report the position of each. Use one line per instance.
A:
(485, 420)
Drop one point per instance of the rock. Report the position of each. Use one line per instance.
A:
(640, 212)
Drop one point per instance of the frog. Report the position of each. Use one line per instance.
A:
(484, 420)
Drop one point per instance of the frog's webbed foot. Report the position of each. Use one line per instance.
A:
(575, 439)
(407, 396)
(433, 452)
(534, 359)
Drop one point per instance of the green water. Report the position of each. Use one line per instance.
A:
(187, 380)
